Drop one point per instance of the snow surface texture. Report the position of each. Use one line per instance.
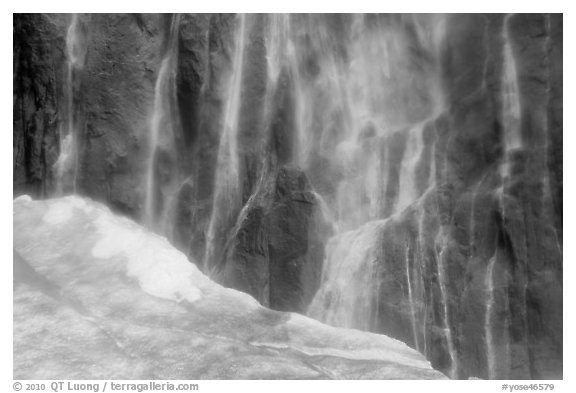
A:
(98, 296)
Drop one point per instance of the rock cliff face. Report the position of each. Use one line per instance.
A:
(399, 174)
(38, 74)
(484, 251)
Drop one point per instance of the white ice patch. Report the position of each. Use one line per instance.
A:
(317, 339)
(23, 198)
(58, 213)
(79, 203)
(161, 270)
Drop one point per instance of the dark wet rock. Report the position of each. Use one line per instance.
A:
(468, 218)
(38, 61)
(122, 56)
(276, 252)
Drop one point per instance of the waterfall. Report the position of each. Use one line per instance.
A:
(488, 322)
(411, 298)
(327, 215)
(489, 285)
(491, 358)
(278, 50)
(547, 184)
(422, 260)
(367, 131)
(396, 173)
(67, 164)
(473, 217)
(408, 191)
(497, 354)
(227, 194)
(512, 138)
(512, 142)
(303, 141)
(162, 129)
(510, 101)
(442, 283)
(347, 296)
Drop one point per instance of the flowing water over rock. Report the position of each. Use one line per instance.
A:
(67, 165)
(162, 176)
(347, 296)
(511, 102)
(490, 354)
(399, 174)
(227, 195)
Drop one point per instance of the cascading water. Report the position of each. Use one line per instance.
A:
(421, 241)
(546, 182)
(279, 51)
(512, 142)
(347, 297)
(370, 142)
(66, 166)
(161, 188)
(366, 129)
(490, 350)
(413, 315)
(510, 101)
(443, 283)
(399, 174)
(408, 190)
(227, 198)
(488, 283)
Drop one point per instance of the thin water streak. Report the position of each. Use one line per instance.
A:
(488, 322)
(162, 132)
(411, 299)
(227, 182)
